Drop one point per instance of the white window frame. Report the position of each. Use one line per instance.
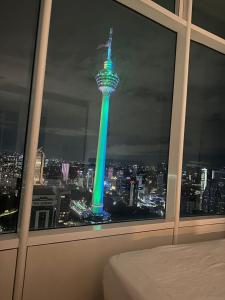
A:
(186, 32)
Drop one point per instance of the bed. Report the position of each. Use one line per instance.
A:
(188, 272)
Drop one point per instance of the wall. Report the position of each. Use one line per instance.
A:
(200, 233)
(7, 269)
(73, 270)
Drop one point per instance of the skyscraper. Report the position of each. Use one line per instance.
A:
(132, 186)
(107, 81)
(204, 176)
(65, 171)
(39, 167)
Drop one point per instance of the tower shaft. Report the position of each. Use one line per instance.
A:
(98, 191)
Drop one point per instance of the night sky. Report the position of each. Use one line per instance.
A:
(18, 21)
(205, 121)
(140, 111)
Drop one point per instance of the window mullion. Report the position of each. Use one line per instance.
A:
(32, 143)
(178, 125)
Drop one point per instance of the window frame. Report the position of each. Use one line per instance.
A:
(186, 32)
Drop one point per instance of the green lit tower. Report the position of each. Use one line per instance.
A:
(107, 81)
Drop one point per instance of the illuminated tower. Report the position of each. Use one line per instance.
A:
(107, 82)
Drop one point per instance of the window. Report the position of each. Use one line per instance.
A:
(210, 15)
(168, 4)
(203, 187)
(17, 32)
(103, 145)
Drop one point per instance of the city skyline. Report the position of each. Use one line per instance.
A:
(63, 191)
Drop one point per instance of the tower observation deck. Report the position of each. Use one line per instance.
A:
(107, 81)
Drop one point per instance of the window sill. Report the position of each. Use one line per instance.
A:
(50, 236)
(201, 221)
(96, 231)
(9, 241)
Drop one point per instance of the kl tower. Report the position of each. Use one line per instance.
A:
(107, 81)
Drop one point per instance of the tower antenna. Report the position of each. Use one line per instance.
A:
(110, 44)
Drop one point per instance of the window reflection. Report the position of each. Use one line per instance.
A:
(168, 4)
(210, 15)
(103, 145)
(203, 186)
(18, 33)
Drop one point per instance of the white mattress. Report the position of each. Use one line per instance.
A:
(184, 272)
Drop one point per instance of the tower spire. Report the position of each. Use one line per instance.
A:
(110, 44)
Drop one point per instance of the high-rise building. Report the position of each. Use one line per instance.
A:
(90, 178)
(39, 167)
(132, 186)
(203, 184)
(80, 182)
(140, 186)
(213, 201)
(44, 207)
(110, 172)
(218, 174)
(204, 175)
(65, 171)
(107, 81)
(160, 181)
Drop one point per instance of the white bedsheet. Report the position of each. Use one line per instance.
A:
(183, 272)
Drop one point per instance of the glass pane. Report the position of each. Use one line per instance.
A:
(210, 15)
(86, 173)
(18, 20)
(168, 4)
(203, 186)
